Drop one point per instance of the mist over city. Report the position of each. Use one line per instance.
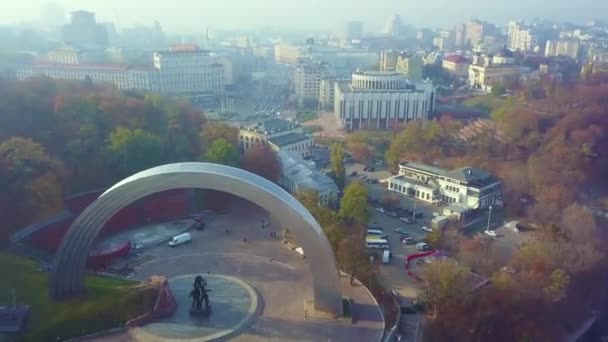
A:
(288, 170)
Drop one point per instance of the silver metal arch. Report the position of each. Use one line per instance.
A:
(69, 268)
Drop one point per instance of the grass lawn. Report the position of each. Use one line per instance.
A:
(487, 102)
(109, 304)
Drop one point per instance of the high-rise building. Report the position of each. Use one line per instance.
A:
(410, 65)
(474, 32)
(308, 75)
(287, 54)
(388, 60)
(564, 47)
(394, 27)
(354, 30)
(521, 37)
(459, 35)
(193, 72)
(84, 32)
(381, 100)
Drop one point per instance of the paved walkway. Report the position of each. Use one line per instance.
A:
(280, 276)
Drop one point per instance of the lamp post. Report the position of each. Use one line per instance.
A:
(489, 216)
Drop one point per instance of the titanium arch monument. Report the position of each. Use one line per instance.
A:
(69, 268)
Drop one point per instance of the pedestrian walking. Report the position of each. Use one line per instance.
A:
(227, 233)
(244, 239)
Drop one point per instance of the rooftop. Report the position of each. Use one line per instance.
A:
(456, 59)
(424, 168)
(274, 125)
(304, 173)
(288, 139)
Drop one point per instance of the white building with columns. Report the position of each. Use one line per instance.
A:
(466, 187)
(381, 100)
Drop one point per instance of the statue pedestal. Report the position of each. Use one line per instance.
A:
(200, 313)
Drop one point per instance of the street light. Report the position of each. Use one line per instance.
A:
(489, 215)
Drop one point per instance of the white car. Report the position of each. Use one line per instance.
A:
(381, 210)
(436, 215)
(426, 229)
(491, 233)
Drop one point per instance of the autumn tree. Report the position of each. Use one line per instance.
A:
(134, 150)
(216, 130)
(263, 161)
(353, 205)
(337, 164)
(361, 152)
(30, 184)
(222, 152)
(445, 286)
(352, 257)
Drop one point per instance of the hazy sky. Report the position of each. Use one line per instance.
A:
(178, 15)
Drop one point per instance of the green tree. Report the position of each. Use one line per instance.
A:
(337, 164)
(134, 150)
(352, 257)
(222, 152)
(353, 205)
(445, 287)
(30, 184)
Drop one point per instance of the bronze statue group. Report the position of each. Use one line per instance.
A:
(199, 294)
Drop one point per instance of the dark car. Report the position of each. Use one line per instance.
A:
(353, 174)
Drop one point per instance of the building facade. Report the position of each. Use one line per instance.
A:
(308, 75)
(410, 65)
(467, 187)
(287, 54)
(569, 48)
(279, 134)
(457, 65)
(299, 175)
(117, 75)
(388, 60)
(486, 70)
(381, 100)
(189, 71)
(84, 32)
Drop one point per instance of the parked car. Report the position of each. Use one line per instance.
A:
(407, 240)
(402, 231)
(436, 214)
(380, 210)
(427, 229)
(373, 180)
(353, 174)
(491, 233)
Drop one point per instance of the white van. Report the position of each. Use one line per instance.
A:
(376, 232)
(386, 256)
(180, 239)
(376, 243)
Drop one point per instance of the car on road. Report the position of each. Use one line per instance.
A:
(408, 240)
(491, 233)
(353, 174)
(402, 231)
(406, 219)
(436, 215)
(380, 210)
(427, 229)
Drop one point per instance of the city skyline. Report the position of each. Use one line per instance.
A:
(313, 15)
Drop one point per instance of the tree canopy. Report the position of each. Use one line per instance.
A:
(353, 205)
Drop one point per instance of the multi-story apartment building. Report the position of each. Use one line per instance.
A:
(388, 60)
(563, 47)
(299, 175)
(474, 32)
(279, 134)
(521, 37)
(381, 100)
(308, 75)
(486, 71)
(467, 187)
(189, 71)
